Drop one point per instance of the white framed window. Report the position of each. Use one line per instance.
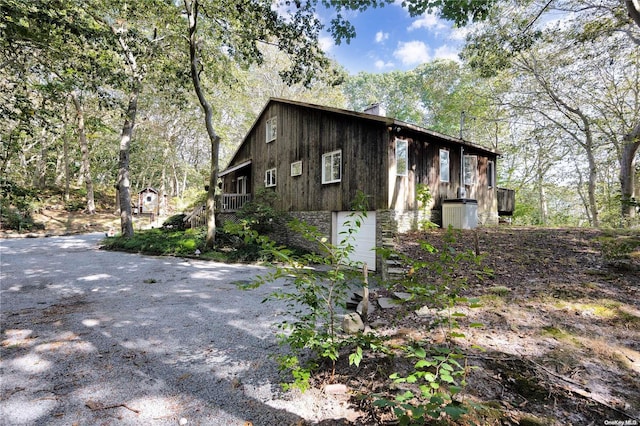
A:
(444, 165)
(470, 169)
(270, 178)
(332, 167)
(241, 185)
(296, 168)
(491, 174)
(402, 157)
(272, 129)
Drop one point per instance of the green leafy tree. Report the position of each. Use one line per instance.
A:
(235, 31)
(53, 45)
(440, 95)
(570, 60)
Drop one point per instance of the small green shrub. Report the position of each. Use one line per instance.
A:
(315, 296)
(75, 205)
(439, 374)
(259, 214)
(160, 242)
(428, 390)
(12, 218)
(17, 205)
(424, 197)
(176, 222)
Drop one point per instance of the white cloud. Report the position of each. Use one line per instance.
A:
(381, 36)
(412, 52)
(380, 64)
(459, 34)
(446, 52)
(326, 44)
(428, 21)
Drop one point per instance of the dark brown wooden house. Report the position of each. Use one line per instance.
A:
(317, 158)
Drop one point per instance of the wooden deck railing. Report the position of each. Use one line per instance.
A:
(229, 203)
(234, 202)
(198, 217)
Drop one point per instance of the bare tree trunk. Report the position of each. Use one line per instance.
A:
(631, 144)
(633, 8)
(544, 207)
(542, 194)
(39, 180)
(163, 202)
(191, 8)
(593, 175)
(124, 184)
(117, 209)
(583, 199)
(67, 176)
(84, 149)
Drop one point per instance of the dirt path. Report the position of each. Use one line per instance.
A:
(95, 337)
(560, 326)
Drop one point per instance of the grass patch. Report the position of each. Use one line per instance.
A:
(186, 243)
(620, 244)
(603, 309)
(492, 300)
(499, 290)
(159, 242)
(554, 332)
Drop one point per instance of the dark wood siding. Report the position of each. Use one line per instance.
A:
(306, 135)
(424, 168)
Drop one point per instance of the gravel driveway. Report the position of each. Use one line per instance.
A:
(91, 337)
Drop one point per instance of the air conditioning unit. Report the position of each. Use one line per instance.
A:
(460, 213)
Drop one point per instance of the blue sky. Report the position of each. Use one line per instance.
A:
(389, 39)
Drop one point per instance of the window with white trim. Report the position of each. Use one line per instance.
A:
(444, 165)
(272, 129)
(491, 174)
(241, 185)
(296, 168)
(470, 169)
(332, 167)
(270, 178)
(402, 157)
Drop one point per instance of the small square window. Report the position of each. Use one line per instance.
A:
(444, 165)
(272, 129)
(296, 168)
(270, 178)
(402, 157)
(332, 167)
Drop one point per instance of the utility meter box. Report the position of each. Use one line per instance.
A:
(460, 213)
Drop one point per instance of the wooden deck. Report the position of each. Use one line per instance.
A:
(230, 203)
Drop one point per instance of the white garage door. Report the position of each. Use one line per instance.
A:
(364, 241)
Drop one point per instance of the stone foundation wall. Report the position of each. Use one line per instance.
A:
(389, 223)
(284, 235)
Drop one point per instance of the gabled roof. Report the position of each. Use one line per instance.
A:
(390, 122)
(148, 189)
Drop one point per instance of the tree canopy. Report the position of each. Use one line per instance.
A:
(91, 90)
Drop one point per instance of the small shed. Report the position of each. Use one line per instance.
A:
(148, 201)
